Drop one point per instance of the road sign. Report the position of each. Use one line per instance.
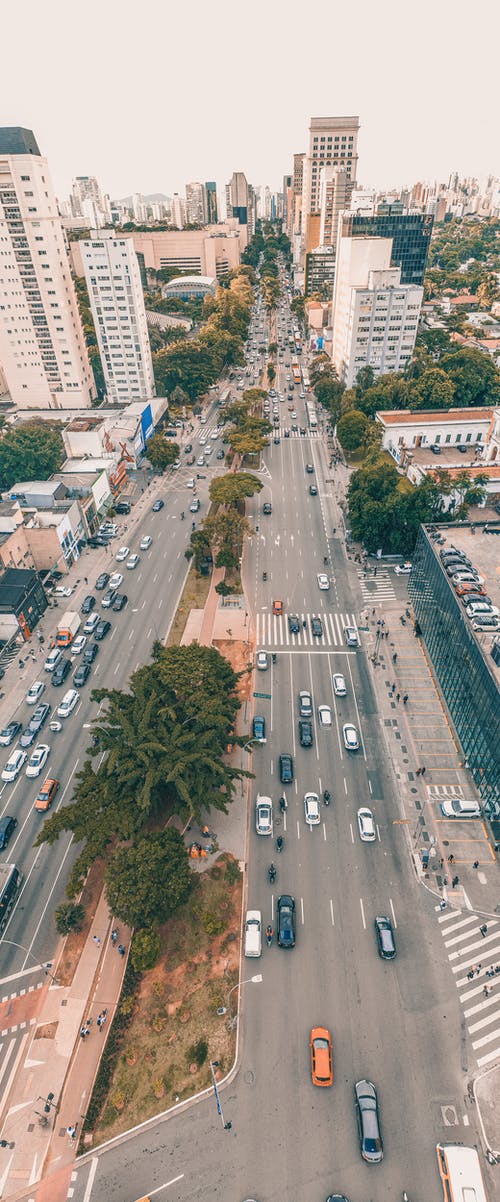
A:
(264, 696)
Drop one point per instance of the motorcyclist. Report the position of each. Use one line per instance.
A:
(269, 934)
(326, 797)
(272, 872)
(283, 804)
(182, 516)
(264, 575)
(280, 843)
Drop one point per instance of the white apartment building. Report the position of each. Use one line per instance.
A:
(334, 196)
(117, 301)
(375, 317)
(85, 187)
(43, 356)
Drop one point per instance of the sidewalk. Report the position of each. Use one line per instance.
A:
(54, 1060)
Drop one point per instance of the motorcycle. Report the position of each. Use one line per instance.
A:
(264, 575)
(283, 804)
(326, 797)
(274, 657)
(269, 936)
(182, 516)
(280, 843)
(272, 874)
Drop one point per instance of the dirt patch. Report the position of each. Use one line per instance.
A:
(48, 1031)
(175, 1030)
(75, 942)
(237, 654)
(194, 596)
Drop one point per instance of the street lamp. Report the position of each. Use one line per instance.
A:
(255, 980)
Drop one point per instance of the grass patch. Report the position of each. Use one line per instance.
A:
(168, 1028)
(194, 595)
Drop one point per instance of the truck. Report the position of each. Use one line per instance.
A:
(67, 627)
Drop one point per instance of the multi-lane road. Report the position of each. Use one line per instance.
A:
(396, 1023)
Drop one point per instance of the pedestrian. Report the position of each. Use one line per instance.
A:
(121, 949)
(476, 864)
(490, 972)
(478, 969)
(418, 772)
(423, 770)
(496, 846)
(451, 858)
(393, 688)
(470, 975)
(395, 656)
(71, 1131)
(100, 1021)
(398, 696)
(96, 939)
(114, 936)
(454, 882)
(442, 904)
(83, 1032)
(86, 579)
(405, 698)
(484, 930)
(487, 990)
(441, 862)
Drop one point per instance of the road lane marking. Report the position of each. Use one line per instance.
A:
(332, 915)
(363, 919)
(302, 910)
(394, 923)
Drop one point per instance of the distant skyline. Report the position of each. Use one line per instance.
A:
(148, 99)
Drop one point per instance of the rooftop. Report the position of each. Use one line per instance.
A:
(420, 417)
(483, 550)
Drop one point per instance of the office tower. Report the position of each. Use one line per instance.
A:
(241, 201)
(333, 142)
(139, 208)
(195, 204)
(211, 202)
(178, 211)
(375, 317)
(42, 346)
(410, 233)
(334, 196)
(116, 297)
(85, 187)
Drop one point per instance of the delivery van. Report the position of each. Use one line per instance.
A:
(253, 933)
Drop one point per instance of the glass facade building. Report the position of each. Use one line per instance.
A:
(410, 233)
(467, 671)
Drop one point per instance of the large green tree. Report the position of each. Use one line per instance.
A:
(149, 880)
(29, 451)
(234, 487)
(351, 429)
(475, 378)
(162, 452)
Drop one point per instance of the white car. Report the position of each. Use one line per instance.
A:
(70, 699)
(262, 661)
(323, 581)
(91, 623)
(201, 461)
(339, 684)
(122, 554)
(202, 440)
(324, 715)
(457, 807)
(467, 577)
(403, 569)
(78, 644)
(263, 815)
(115, 580)
(190, 482)
(38, 759)
(133, 561)
(145, 542)
(35, 692)
(14, 765)
(366, 825)
(215, 435)
(109, 529)
(62, 590)
(350, 736)
(311, 809)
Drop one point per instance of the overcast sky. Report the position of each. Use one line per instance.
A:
(147, 96)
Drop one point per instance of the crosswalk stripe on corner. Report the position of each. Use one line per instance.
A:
(471, 952)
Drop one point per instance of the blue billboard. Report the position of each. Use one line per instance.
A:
(147, 423)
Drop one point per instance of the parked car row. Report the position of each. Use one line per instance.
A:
(469, 587)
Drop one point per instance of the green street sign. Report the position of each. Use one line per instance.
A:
(264, 696)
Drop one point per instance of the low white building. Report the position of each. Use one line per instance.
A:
(406, 431)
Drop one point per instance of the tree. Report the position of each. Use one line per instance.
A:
(145, 950)
(148, 881)
(29, 451)
(161, 452)
(365, 379)
(271, 373)
(273, 348)
(226, 531)
(433, 390)
(69, 916)
(234, 487)
(351, 429)
(329, 393)
(474, 375)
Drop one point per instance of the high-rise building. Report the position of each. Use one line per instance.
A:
(85, 187)
(241, 201)
(42, 347)
(178, 211)
(211, 202)
(117, 300)
(410, 233)
(334, 195)
(195, 204)
(333, 142)
(139, 208)
(375, 316)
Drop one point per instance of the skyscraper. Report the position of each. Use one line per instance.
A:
(42, 346)
(333, 142)
(195, 204)
(241, 201)
(410, 233)
(85, 187)
(211, 201)
(117, 300)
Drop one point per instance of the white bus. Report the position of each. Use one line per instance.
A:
(305, 379)
(460, 1173)
(311, 415)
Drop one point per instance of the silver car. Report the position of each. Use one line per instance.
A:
(370, 1138)
(264, 815)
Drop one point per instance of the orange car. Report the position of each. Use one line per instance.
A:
(277, 608)
(46, 794)
(321, 1056)
(467, 587)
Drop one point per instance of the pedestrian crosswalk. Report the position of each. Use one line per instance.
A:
(272, 631)
(378, 588)
(472, 956)
(441, 792)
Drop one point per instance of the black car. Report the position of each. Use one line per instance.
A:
(188, 448)
(101, 630)
(305, 733)
(220, 454)
(317, 627)
(39, 717)
(158, 505)
(28, 737)
(7, 827)
(81, 675)
(276, 440)
(267, 507)
(102, 581)
(286, 768)
(481, 597)
(60, 673)
(259, 729)
(119, 602)
(293, 624)
(98, 540)
(88, 604)
(313, 492)
(385, 938)
(286, 921)
(90, 652)
(8, 734)
(123, 507)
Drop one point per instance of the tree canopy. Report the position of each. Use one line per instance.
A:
(148, 881)
(161, 452)
(29, 451)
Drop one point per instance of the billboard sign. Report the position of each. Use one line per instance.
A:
(147, 423)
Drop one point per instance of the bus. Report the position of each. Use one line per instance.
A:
(11, 880)
(460, 1173)
(296, 373)
(311, 415)
(305, 379)
(298, 343)
(225, 397)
